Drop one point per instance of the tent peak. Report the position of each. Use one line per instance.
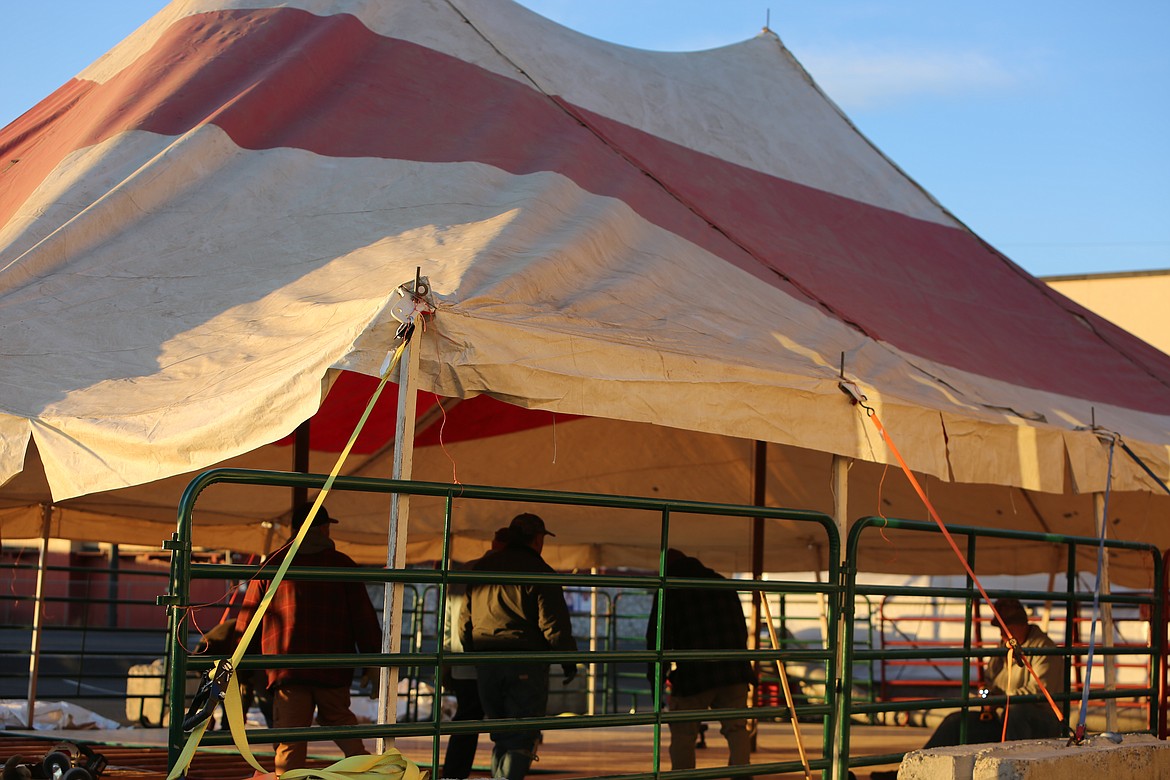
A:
(480, 11)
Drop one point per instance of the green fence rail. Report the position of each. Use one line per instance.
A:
(968, 597)
(848, 660)
(183, 571)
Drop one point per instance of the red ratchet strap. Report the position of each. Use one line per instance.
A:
(859, 399)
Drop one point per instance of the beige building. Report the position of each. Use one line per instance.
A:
(1138, 301)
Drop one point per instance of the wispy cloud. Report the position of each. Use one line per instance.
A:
(868, 80)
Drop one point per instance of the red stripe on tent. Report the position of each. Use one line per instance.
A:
(36, 142)
(472, 418)
(286, 78)
(931, 290)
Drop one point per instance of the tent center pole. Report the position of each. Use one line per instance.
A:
(38, 618)
(759, 498)
(301, 444)
(1106, 618)
(396, 538)
(591, 680)
(843, 655)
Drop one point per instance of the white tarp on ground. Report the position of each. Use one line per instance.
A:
(51, 716)
(199, 230)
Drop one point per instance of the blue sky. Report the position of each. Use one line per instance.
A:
(1044, 125)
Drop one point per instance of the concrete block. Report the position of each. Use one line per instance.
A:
(1136, 756)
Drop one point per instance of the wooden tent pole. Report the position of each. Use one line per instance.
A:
(591, 678)
(34, 660)
(843, 655)
(759, 498)
(300, 494)
(396, 538)
(1106, 618)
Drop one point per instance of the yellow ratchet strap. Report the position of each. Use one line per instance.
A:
(232, 701)
(390, 764)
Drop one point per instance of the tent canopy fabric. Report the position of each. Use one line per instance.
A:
(203, 230)
(551, 451)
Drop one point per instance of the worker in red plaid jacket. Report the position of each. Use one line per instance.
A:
(313, 617)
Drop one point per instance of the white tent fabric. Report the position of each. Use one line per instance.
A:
(207, 224)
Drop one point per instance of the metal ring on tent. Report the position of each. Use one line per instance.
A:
(859, 399)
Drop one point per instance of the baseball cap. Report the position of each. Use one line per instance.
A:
(301, 513)
(529, 526)
(1011, 610)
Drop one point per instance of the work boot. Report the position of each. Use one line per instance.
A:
(513, 764)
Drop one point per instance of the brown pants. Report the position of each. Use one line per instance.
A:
(292, 707)
(683, 735)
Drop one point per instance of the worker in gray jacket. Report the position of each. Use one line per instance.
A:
(1025, 719)
(510, 617)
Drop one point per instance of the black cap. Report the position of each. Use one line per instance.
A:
(1011, 610)
(528, 526)
(301, 513)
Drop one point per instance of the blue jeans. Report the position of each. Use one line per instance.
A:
(513, 691)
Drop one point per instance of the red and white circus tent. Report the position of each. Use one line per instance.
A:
(670, 254)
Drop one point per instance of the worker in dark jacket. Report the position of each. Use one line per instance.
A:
(703, 619)
(460, 680)
(510, 617)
